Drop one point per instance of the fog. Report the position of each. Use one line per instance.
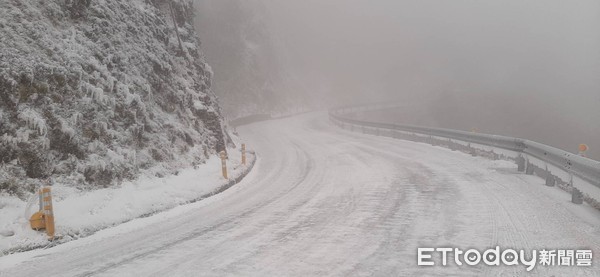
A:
(401, 49)
(536, 62)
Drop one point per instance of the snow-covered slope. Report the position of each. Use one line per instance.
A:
(96, 92)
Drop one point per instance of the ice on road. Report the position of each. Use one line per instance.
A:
(325, 201)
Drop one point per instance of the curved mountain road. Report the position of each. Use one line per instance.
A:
(324, 201)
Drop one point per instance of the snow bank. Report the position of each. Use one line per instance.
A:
(81, 213)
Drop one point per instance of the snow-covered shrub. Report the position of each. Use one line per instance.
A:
(95, 92)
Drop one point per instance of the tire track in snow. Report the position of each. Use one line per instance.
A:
(194, 235)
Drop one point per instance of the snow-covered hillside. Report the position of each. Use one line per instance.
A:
(96, 92)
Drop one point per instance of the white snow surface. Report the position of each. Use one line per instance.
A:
(81, 213)
(324, 201)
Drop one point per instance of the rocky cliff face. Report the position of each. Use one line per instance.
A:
(94, 92)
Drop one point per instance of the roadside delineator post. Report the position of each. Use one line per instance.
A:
(224, 164)
(44, 218)
(243, 153)
(48, 211)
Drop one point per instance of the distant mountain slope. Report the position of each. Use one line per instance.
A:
(93, 92)
(252, 74)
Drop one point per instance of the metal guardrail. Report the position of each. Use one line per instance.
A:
(584, 168)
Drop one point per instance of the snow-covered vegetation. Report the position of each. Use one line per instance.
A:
(96, 92)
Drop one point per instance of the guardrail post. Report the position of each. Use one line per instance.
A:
(585, 169)
(243, 153)
(224, 164)
(576, 196)
(520, 163)
(48, 212)
(471, 150)
(451, 145)
(550, 181)
(529, 170)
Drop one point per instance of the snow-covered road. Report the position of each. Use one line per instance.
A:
(325, 201)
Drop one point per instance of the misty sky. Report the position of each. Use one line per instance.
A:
(546, 48)
(528, 68)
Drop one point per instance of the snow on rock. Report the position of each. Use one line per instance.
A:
(95, 93)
